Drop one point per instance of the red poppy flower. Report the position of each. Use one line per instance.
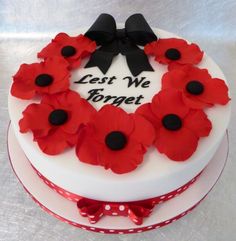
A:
(178, 128)
(73, 49)
(49, 77)
(175, 50)
(199, 89)
(55, 122)
(115, 139)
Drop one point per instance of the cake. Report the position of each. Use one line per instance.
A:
(119, 119)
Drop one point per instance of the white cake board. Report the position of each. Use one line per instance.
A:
(66, 210)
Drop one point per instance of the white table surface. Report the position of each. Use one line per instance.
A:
(26, 25)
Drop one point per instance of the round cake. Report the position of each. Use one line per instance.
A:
(119, 115)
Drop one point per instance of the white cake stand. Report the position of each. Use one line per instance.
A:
(65, 210)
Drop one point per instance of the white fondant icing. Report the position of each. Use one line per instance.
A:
(156, 176)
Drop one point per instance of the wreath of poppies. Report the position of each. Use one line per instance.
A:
(173, 122)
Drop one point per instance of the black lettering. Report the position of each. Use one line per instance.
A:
(110, 82)
(93, 92)
(136, 81)
(81, 81)
(129, 100)
(137, 102)
(119, 100)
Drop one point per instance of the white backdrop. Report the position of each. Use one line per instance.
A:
(26, 25)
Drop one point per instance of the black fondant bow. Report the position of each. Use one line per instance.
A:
(113, 41)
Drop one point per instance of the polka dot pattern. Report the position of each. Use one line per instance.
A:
(117, 209)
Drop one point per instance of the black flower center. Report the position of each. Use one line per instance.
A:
(172, 122)
(58, 117)
(68, 51)
(43, 80)
(172, 54)
(194, 87)
(115, 140)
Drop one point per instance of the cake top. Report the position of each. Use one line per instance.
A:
(111, 128)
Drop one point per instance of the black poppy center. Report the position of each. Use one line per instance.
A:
(194, 87)
(173, 54)
(58, 117)
(68, 51)
(172, 122)
(43, 80)
(115, 140)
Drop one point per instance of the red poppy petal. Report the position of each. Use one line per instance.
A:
(191, 54)
(22, 91)
(216, 92)
(81, 113)
(111, 118)
(87, 149)
(144, 132)
(35, 118)
(177, 145)
(198, 122)
(169, 101)
(53, 144)
(146, 112)
(174, 79)
(195, 102)
(125, 160)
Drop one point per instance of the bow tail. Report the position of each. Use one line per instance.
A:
(139, 211)
(100, 59)
(93, 210)
(138, 62)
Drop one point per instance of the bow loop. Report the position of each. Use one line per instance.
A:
(103, 29)
(138, 30)
(113, 41)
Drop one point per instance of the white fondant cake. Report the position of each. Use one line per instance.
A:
(157, 175)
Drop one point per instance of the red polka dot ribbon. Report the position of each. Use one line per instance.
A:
(94, 209)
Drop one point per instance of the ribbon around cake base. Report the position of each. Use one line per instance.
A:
(94, 210)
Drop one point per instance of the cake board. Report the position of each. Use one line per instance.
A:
(65, 210)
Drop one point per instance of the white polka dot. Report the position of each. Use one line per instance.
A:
(92, 228)
(76, 199)
(39, 174)
(46, 182)
(114, 214)
(60, 191)
(91, 216)
(158, 226)
(52, 185)
(101, 214)
(101, 231)
(185, 188)
(121, 207)
(168, 221)
(161, 202)
(170, 196)
(66, 221)
(179, 189)
(69, 198)
(131, 230)
(120, 232)
(149, 227)
(140, 231)
(111, 230)
(174, 220)
(83, 228)
(92, 221)
(162, 197)
(67, 193)
(107, 207)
